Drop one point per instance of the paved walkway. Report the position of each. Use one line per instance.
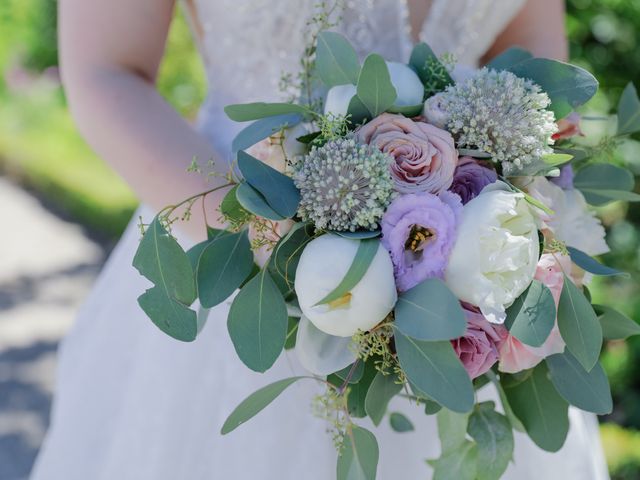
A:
(47, 266)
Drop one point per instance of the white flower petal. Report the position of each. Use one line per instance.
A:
(319, 352)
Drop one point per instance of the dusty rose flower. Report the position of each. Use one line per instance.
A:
(478, 349)
(568, 127)
(470, 177)
(425, 156)
(515, 356)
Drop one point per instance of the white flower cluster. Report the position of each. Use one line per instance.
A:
(344, 186)
(501, 114)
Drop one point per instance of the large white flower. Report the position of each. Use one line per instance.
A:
(323, 264)
(408, 86)
(495, 255)
(572, 222)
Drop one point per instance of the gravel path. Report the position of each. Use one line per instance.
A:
(47, 266)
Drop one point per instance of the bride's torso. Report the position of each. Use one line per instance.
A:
(247, 45)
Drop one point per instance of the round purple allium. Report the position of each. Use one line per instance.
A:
(565, 179)
(470, 178)
(419, 230)
(478, 348)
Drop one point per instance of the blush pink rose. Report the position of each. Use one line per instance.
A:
(478, 349)
(425, 156)
(568, 127)
(515, 356)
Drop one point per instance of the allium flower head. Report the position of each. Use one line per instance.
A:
(344, 185)
(501, 114)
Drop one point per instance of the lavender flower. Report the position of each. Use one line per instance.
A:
(565, 180)
(470, 177)
(419, 230)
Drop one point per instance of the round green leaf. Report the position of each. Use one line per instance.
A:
(533, 315)
(374, 88)
(253, 201)
(170, 316)
(629, 111)
(359, 457)
(615, 325)
(336, 60)
(494, 436)
(382, 390)
(591, 265)
(257, 323)
(263, 128)
(399, 423)
(510, 57)
(429, 311)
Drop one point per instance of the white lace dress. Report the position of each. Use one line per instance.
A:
(134, 404)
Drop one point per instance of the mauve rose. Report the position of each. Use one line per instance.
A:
(478, 349)
(515, 356)
(425, 156)
(470, 177)
(568, 127)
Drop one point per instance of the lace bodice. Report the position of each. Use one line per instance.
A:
(247, 45)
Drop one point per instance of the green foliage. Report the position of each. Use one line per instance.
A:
(493, 434)
(615, 325)
(629, 111)
(590, 264)
(602, 183)
(253, 201)
(510, 57)
(359, 457)
(382, 389)
(430, 70)
(367, 250)
(459, 457)
(434, 368)
(336, 60)
(579, 325)
(374, 89)
(258, 322)
(255, 403)
(263, 128)
(533, 315)
(430, 311)
(400, 423)
(245, 112)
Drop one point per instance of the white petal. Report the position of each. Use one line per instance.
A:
(319, 352)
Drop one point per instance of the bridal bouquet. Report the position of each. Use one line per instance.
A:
(415, 231)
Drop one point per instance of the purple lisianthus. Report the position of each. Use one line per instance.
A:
(470, 177)
(565, 179)
(419, 230)
(478, 348)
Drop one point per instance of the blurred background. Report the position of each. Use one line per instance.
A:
(63, 210)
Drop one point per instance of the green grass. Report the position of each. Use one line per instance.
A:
(622, 449)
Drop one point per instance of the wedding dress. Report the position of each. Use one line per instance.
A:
(133, 403)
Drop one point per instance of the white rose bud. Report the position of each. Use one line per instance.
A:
(323, 264)
(434, 113)
(408, 86)
(495, 255)
(338, 98)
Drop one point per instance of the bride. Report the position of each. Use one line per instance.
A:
(133, 403)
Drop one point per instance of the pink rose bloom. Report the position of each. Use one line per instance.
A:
(568, 127)
(425, 156)
(515, 356)
(478, 349)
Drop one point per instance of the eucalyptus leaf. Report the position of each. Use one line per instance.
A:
(513, 420)
(231, 208)
(452, 429)
(352, 372)
(194, 253)
(292, 331)
(430, 311)
(586, 390)
(591, 265)
(358, 391)
(542, 411)
(255, 403)
(422, 60)
(494, 437)
(245, 112)
(357, 112)
(277, 189)
(434, 368)
(257, 322)
(336, 60)
(253, 201)
(510, 57)
(615, 325)
(358, 459)
(374, 88)
(407, 110)
(601, 197)
(555, 159)
(400, 423)
(461, 464)
(533, 315)
(222, 267)
(162, 260)
(286, 254)
(579, 325)
(602, 182)
(381, 391)
(629, 111)
(367, 250)
(170, 316)
(263, 128)
(568, 86)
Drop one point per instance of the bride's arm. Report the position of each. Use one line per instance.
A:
(538, 27)
(110, 53)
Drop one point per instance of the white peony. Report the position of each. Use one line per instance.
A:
(572, 222)
(323, 264)
(338, 99)
(321, 353)
(408, 86)
(495, 255)
(406, 82)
